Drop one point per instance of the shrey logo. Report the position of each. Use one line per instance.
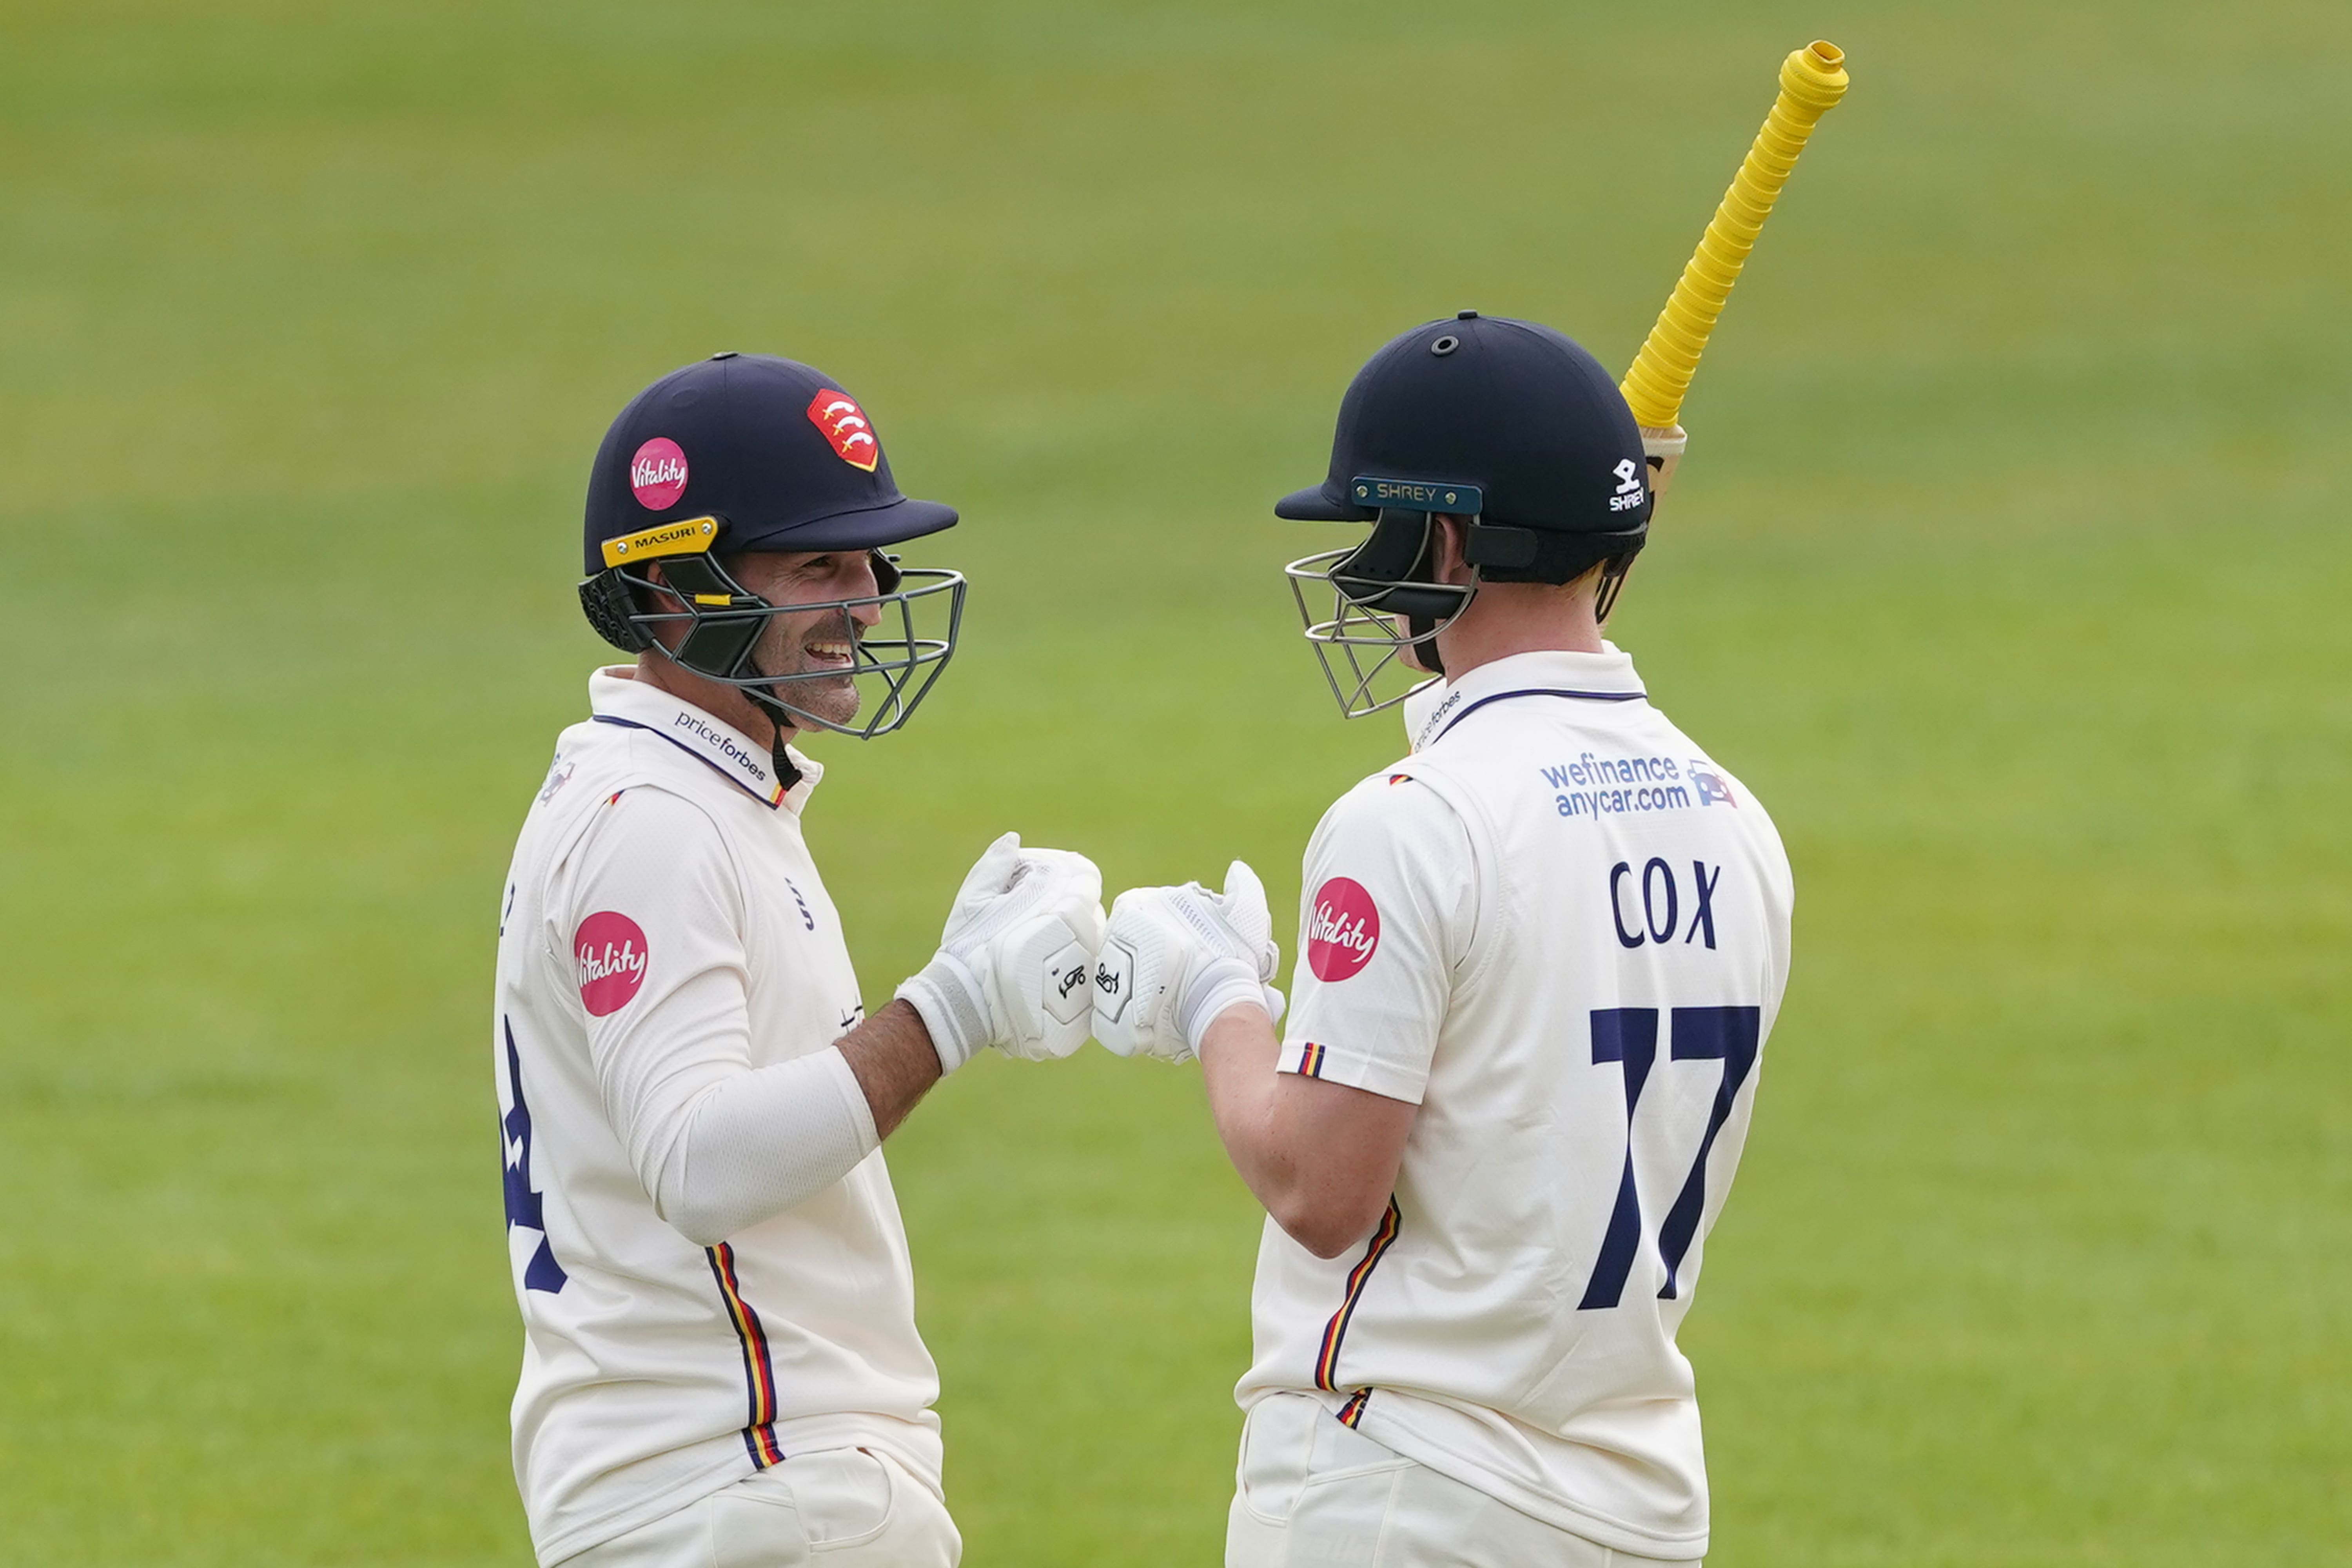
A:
(611, 953)
(1628, 486)
(845, 425)
(657, 473)
(1343, 931)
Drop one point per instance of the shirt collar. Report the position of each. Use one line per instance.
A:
(1604, 677)
(617, 696)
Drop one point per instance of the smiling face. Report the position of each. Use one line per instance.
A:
(820, 640)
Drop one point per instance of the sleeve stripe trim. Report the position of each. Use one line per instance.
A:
(1327, 1361)
(759, 1371)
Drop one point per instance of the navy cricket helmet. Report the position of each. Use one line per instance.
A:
(771, 449)
(753, 452)
(1507, 424)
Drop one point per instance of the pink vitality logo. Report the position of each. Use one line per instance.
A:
(611, 953)
(657, 473)
(1343, 931)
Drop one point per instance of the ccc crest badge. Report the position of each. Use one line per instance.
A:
(845, 425)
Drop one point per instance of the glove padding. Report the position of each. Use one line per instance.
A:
(1011, 970)
(1174, 958)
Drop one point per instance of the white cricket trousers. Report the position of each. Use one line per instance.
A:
(1310, 1491)
(835, 1508)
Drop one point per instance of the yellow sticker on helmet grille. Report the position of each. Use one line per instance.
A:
(686, 536)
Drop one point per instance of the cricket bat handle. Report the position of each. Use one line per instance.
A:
(1813, 79)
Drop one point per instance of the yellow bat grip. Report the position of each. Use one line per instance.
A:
(1813, 79)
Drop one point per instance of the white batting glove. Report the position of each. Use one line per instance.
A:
(1011, 970)
(1174, 958)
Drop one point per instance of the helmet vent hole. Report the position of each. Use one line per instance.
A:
(1446, 346)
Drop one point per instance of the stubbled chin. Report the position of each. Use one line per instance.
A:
(836, 698)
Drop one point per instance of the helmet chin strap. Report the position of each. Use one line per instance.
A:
(781, 717)
(1420, 633)
(1422, 630)
(778, 716)
(786, 774)
(1605, 592)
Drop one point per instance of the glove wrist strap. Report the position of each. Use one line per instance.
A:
(948, 997)
(1222, 984)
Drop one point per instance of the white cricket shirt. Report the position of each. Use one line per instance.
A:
(1562, 930)
(664, 931)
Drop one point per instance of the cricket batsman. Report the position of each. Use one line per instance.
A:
(1542, 953)
(721, 1366)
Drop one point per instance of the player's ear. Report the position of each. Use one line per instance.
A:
(661, 600)
(666, 599)
(1447, 539)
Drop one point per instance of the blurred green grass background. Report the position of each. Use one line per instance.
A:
(2007, 566)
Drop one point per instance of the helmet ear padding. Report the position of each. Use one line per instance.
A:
(606, 601)
(1556, 557)
(1388, 573)
(1493, 546)
(716, 642)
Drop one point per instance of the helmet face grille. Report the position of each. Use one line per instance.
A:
(1362, 642)
(1384, 600)
(893, 667)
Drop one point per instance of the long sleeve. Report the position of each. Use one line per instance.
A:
(649, 916)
